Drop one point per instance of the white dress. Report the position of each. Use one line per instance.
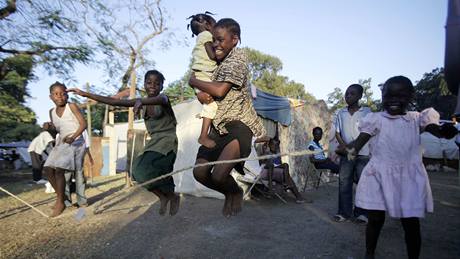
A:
(395, 179)
(63, 155)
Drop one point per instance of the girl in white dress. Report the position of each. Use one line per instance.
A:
(68, 153)
(395, 179)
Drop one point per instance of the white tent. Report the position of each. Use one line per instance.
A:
(188, 130)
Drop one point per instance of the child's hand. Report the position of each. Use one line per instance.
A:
(341, 150)
(137, 107)
(351, 154)
(77, 91)
(204, 98)
(448, 131)
(69, 139)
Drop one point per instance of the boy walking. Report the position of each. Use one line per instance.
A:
(346, 125)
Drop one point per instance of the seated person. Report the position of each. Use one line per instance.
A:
(319, 160)
(276, 170)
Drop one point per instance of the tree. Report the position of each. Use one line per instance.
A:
(432, 91)
(264, 71)
(336, 100)
(369, 101)
(47, 31)
(17, 121)
(179, 90)
(125, 42)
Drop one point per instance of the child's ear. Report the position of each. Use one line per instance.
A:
(235, 39)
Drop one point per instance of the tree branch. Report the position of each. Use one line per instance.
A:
(38, 51)
(8, 9)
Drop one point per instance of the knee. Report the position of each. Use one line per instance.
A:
(218, 178)
(199, 174)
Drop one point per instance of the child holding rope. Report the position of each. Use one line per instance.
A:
(203, 65)
(159, 153)
(395, 179)
(236, 120)
(70, 146)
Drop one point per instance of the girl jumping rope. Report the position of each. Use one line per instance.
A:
(159, 153)
(236, 121)
(203, 65)
(395, 179)
(68, 153)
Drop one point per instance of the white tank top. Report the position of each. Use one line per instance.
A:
(67, 124)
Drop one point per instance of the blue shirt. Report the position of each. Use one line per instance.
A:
(317, 147)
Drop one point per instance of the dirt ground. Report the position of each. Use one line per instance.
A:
(267, 228)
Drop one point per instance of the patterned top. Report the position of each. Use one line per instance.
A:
(237, 104)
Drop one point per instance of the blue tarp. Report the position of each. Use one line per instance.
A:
(273, 107)
(23, 144)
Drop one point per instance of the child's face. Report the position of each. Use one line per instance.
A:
(352, 95)
(224, 42)
(59, 96)
(317, 135)
(273, 146)
(396, 99)
(153, 85)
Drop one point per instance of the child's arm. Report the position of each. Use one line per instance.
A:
(217, 89)
(71, 138)
(339, 139)
(356, 145)
(210, 50)
(156, 100)
(447, 130)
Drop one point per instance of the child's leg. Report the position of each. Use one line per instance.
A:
(174, 199)
(375, 224)
(60, 187)
(412, 235)
(80, 187)
(49, 172)
(204, 138)
(291, 185)
(67, 193)
(223, 180)
(163, 201)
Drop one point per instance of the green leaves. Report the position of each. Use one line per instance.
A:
(265, 75)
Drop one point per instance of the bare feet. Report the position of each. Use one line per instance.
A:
(58, 209)
(237, 201)
(206, 141)
(174, 206)
(227, 210)
(163, 205)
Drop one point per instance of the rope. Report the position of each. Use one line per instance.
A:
(293, 153)
(31, 206)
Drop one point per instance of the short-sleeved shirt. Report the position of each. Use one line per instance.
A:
(347, 126)
(317, 147)
(237, 104)
(40, 143)
(200, 58)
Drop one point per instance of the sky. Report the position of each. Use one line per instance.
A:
(322, 44)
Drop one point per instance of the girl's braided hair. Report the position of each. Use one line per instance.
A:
(198, 19)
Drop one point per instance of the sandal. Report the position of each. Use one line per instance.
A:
(339, 218)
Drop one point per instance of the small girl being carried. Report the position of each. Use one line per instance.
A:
(203, 65)
(395, 179)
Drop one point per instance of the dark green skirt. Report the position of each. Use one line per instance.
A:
(151, 165)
